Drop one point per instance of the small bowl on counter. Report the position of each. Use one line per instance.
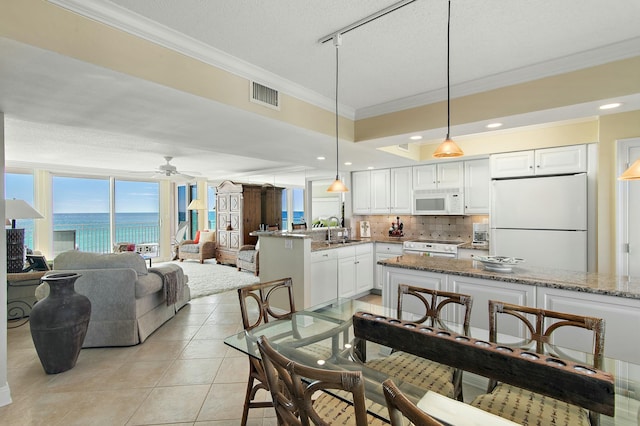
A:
(498, 263)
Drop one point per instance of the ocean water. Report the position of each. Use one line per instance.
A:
(93, 232)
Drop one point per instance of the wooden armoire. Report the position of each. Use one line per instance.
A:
(240, 209)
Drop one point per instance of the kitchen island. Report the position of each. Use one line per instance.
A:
(323, 270)
(614, 298)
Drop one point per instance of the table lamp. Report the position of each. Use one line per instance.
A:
(17, 209)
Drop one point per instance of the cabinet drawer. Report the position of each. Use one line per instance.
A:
(389, 248)
(317, 256)
(363, 249)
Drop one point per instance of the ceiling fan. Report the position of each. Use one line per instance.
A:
(169, 170)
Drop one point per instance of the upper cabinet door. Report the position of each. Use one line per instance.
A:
(439, 176)
(564, 159)
(425, 177)
(361, 192)
(477, 186)
(380, 197)
(450, 175)
(401, 190)
(540, 162)
(512, 164)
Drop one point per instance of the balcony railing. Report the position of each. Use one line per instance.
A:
(97, 238)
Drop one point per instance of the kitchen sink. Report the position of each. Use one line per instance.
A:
(341, 241)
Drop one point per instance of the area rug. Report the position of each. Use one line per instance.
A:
(210, 278)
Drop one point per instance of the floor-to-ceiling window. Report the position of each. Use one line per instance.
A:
(82, 213)
(137, 215)
(292, 207)
(182, 204)
(20, 187)
(82, 205)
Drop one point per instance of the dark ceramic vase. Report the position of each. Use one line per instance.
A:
(59, 323)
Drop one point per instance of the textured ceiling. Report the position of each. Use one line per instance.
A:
(124, 123)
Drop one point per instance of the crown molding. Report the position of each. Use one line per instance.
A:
(122, 19)
(115, 16)
(609, 53)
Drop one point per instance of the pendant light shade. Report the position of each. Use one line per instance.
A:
(632, 173)
(337, 185)
(448, 148)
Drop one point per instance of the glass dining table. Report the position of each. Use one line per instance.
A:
(331, 325)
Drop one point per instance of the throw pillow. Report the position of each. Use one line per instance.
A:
(207, 236)
(197, 239)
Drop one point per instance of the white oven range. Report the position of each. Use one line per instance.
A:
(435, 248)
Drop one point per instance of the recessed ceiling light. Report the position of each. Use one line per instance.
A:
(348, 163)
(370, 168)
(610, 106)
(415, 138)
(321, 158)
(494, 125)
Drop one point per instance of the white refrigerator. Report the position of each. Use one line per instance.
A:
(542, 220)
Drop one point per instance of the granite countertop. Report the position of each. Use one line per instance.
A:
(588, 282)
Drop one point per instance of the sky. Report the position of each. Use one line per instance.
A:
(81, 195)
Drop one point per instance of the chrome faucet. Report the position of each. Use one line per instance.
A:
(329, 224)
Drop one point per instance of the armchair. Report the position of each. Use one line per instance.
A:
(249, 257)
(204, 248)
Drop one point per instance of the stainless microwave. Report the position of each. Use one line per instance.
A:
(438, 201)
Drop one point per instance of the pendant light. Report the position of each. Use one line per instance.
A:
(448, 148)
(337, 185)
(632, 173)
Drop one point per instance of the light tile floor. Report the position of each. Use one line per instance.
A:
(183, 374)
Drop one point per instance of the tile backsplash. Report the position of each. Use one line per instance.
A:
(437, 227)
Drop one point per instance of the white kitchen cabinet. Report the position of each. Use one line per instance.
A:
(540, 162)
(384, 251)
(563, 159)
(470, 253)
(484, 290)
(364, 267)
(324, 276)
(477, 186)
(619, 313)
(401, 190)
(346, 272)
(355, 269)
(383, 191)
(438, 176)
(380, 191)
(397, 276)
(361, 192)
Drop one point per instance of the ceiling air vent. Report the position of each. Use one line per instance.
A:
(265, 96)
(404, 147)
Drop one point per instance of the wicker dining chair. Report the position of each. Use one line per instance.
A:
(400, 407)
(294, 386)
(261, 295)
(421, 372)
(526, 407)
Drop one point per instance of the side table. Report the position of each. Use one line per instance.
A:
(21, 297)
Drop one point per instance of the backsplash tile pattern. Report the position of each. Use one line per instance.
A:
(436, 227)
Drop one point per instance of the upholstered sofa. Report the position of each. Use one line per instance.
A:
(203, 247)
(128, 301)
